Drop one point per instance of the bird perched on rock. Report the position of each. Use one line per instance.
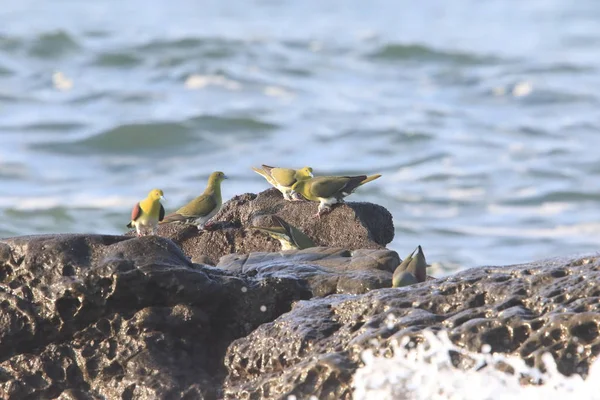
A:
(202, 208)
(283, 178)
(148, 212)
(289, 237)
(411, 270)
(328, 190)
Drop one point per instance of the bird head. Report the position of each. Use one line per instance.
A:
(304, 173)
(156, 194)
(216, 178)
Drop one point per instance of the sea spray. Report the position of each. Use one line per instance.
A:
(426, 372)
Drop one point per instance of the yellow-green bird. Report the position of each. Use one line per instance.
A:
(202, 208)
(328, 190)
(148, 212)
(411, 270)
(283, 178)
(290, 237)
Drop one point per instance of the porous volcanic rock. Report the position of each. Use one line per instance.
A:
(91, 316)
(524, 310)
(349, 225)
(326, 270)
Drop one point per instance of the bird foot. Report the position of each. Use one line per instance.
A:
(323, 212)
(209, 226)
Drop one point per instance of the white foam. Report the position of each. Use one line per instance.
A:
(196, 81)
(426, 372)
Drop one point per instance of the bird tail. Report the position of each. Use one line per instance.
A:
(370, 178)
(129, 225)
(264, 174)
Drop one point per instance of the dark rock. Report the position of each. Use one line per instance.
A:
(326, 270)
(523, 310)
(350, 226)
(90, 316)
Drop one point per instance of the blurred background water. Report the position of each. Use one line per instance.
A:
(482, 116)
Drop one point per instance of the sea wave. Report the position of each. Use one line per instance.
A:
(428, 372)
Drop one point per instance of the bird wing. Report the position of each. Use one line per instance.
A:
(326, 187)
(284, 176)
(161, 213)
(136, 212)
(199, 207)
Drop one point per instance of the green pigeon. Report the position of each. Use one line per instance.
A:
(328, 190)
(289, 237)
(148, 212)
(283, 178)
(411, 270)
(202, 208)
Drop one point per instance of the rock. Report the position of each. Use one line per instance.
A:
(522, 310)
(326, 270)
(91, 316)
(350, 226)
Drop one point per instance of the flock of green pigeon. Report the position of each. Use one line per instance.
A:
(295, 185)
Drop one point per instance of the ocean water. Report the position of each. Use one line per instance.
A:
(482, 116)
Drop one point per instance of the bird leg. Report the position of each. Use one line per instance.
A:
(323, 211)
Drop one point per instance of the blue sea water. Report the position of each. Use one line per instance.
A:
(482, 116)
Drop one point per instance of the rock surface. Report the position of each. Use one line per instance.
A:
(350, 226)
(523, 310)
(91, 317)
(94, 316)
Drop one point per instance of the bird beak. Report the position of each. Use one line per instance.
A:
(163, 198)
(225, 177)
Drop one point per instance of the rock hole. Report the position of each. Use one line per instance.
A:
(105, 285)
(132, 331)
(36, 381)
(521, 333)
(14, 284)
(558, 273)
(128, 392)
(87, 351)
(537, 324)
(478, 301)
(555, 293)
(5, 272)
(67, 307)
(103, 325)
(73, 375)
(588, 331)
(356, 326)
(54, 371)
(68, 270)
(114, 369)
(92, 368)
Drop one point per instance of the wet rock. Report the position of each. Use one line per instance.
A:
(91, 316)
(350, 225)
(523, 310)
(326, 270)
